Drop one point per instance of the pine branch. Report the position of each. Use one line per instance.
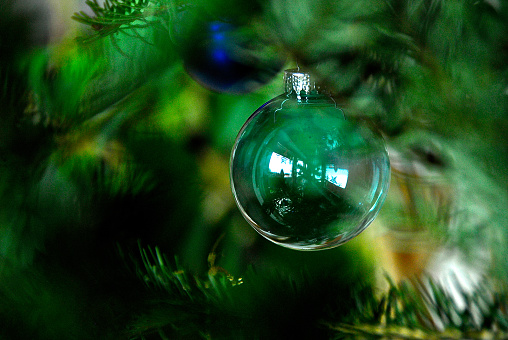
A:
(115, 16)
(183, 302)
(427, 310)
(423, 309)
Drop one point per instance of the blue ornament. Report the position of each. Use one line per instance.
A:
(223, 56)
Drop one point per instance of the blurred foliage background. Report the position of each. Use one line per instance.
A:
(116, 215)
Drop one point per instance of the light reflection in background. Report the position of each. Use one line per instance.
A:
(279, 164)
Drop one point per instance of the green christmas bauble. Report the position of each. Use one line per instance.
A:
(302, 175)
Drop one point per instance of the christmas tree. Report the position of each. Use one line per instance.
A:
(117, 218)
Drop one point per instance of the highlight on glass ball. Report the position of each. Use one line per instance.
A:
(302, 175)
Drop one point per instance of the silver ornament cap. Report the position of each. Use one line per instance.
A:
(300, 82)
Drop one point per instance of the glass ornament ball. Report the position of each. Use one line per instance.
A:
(224, 56)
(302, 175)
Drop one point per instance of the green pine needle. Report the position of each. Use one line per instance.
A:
(427, 310)
(420, 310)
(116, 16)
(182, 302)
